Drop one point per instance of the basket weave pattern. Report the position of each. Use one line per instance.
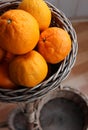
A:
(26, 94)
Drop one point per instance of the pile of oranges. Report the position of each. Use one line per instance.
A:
(28, 45)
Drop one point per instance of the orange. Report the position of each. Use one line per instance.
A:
(2, 53)
(19, 31)
(39, 9)
(54, 44)
(5, 81)
(8, 57)
(28, 70)
(5, 56)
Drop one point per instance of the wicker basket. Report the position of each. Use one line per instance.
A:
(62, 69)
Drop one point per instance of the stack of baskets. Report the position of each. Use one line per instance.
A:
(63, 69)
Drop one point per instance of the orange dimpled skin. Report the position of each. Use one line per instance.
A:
(54, 44)
(5, 81)
(29, 69)
(39, 9)
(19, 31)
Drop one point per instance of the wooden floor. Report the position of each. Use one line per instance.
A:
(78, 77)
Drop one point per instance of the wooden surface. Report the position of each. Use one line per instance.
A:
(78, 77)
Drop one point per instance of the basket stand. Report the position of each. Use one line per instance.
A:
(26, 117)
(30, 112)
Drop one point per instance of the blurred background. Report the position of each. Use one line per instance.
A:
(73, 9)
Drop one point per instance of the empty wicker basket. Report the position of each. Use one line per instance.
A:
(62, 109)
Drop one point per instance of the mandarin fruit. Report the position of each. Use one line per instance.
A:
(54, 44)
(29, 69)
(19, 31)
(39, 9)
(5, 81)
(2, 54)
(8, 57)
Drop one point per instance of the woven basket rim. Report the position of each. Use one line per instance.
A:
(28, 95)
